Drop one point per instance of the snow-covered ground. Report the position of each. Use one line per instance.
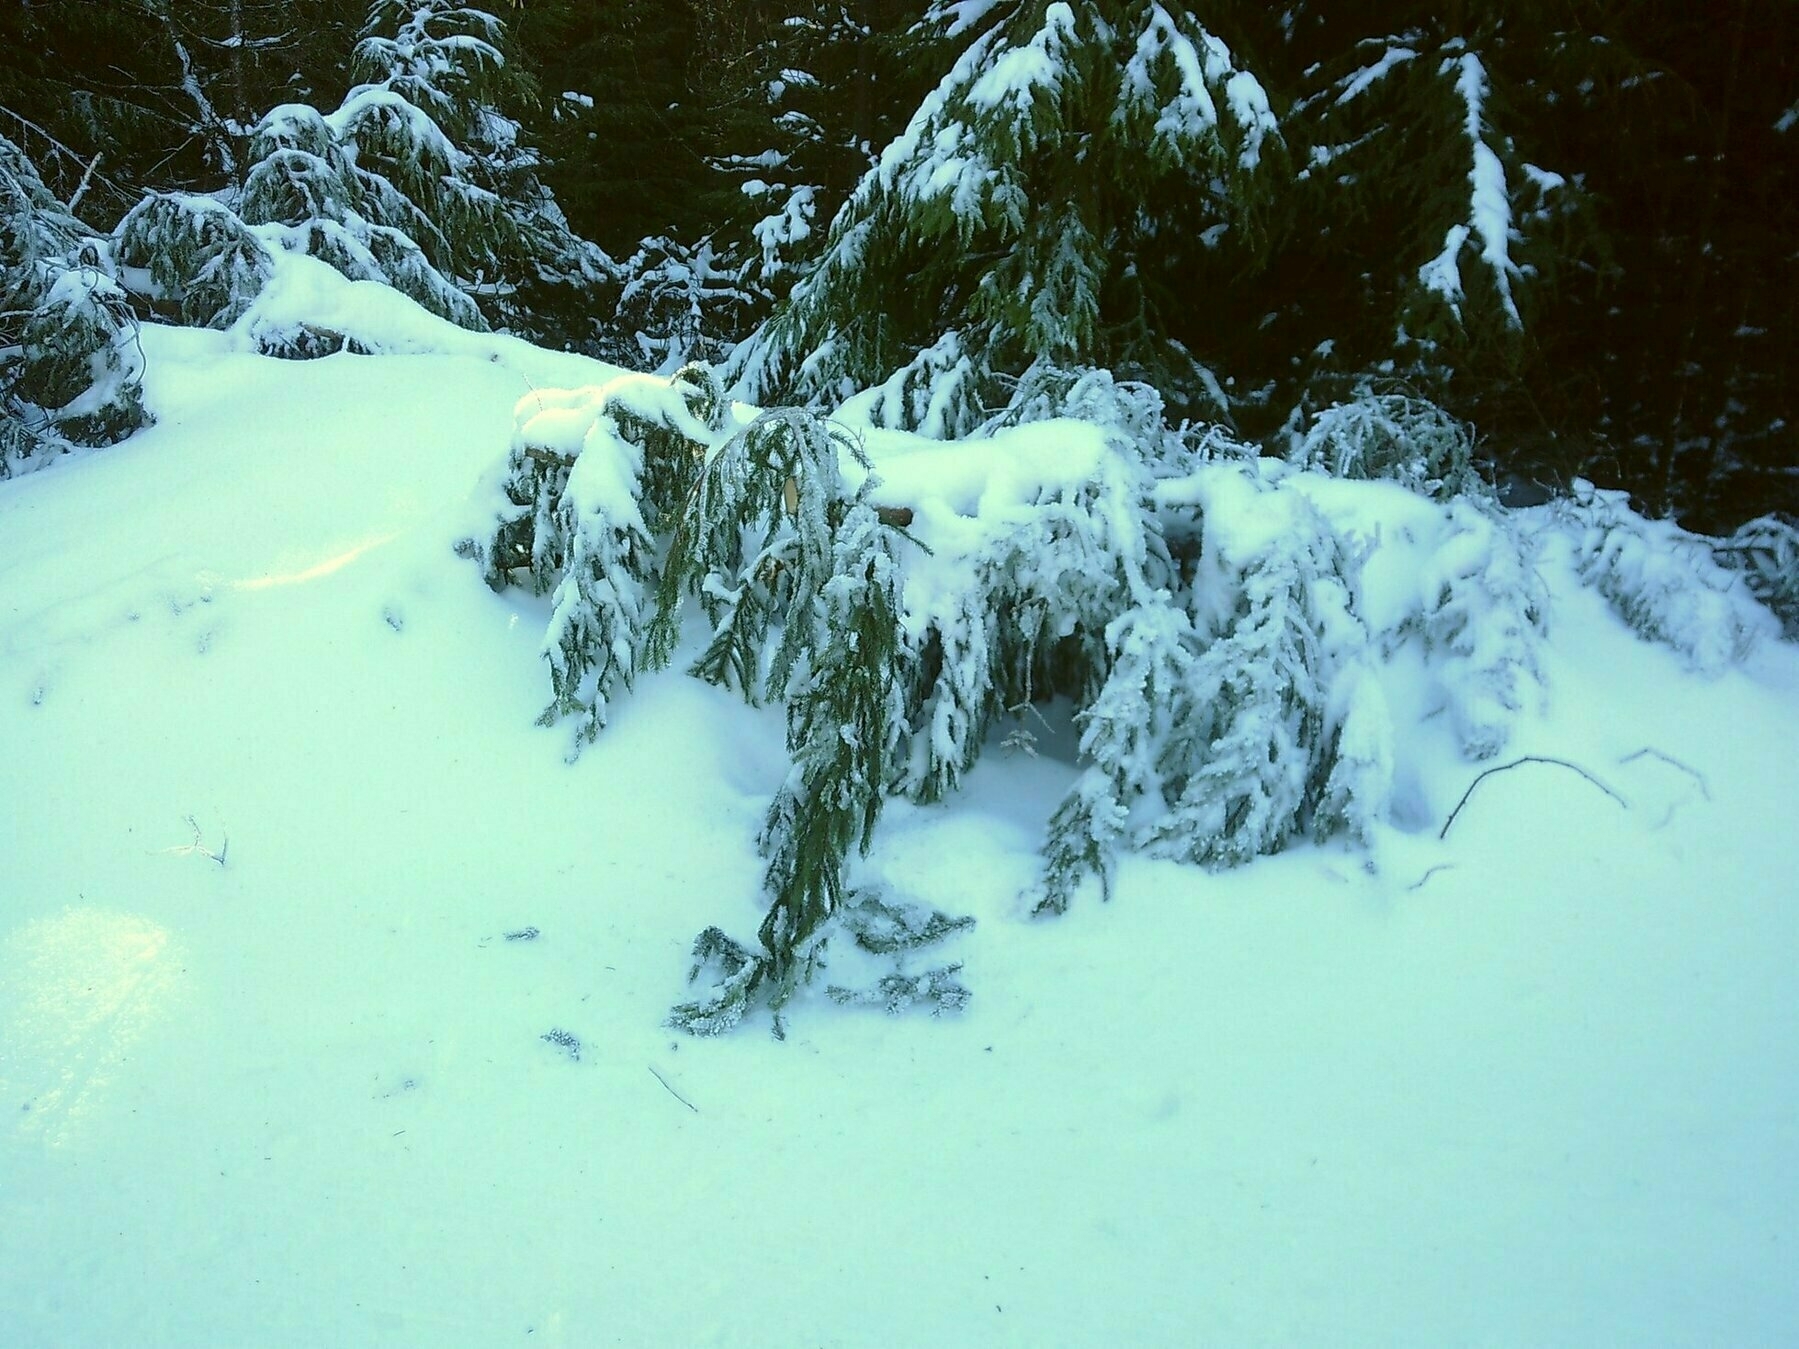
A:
(274, 1073)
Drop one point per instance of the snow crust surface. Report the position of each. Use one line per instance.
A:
(330, 996)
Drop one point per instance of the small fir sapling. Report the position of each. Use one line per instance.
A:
(1766, 552)
(754, 539)
(845, 719)
(416, 180)
(845, 683)
(679, 303)
(201, 258)
(1261, 741)
(1665, 582)
(1483, 612)
(1127, 730)
(324, 193)
(70, 366)
(1219, 746)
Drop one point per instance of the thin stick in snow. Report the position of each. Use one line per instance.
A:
(197, 847)
(1704, 789)
(1528, 758)
(1442, 866)
(671, 1091)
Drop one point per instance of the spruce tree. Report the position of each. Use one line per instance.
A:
(417, 179)
(1049, 205)
(70, 366)
(162, 93)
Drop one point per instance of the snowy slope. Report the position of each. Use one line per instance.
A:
(1530, 1084)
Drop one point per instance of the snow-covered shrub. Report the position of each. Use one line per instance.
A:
(1225, 695)
(1766, 552)
(1665, 582)
(597, 611)
(584, 466)
(1482, 612)
(199, 255)
(70, 368)
(1407, 440)
(581, 524)
(628, 499)
(1132, 411)
(1021, 616)
(678, 304)
(1215, 740)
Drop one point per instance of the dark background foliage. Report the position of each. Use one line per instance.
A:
(1656, 349)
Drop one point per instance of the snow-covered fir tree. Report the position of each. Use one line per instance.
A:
(70, 367)
(1422, 216)
(1077, 156)
(417, 180)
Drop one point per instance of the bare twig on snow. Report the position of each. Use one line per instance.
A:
(671, 1091)
(1528, 758)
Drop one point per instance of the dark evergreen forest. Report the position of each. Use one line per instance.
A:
(1573, 225)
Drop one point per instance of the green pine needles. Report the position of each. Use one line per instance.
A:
(1221, 682)
(624, 502)
(1199, 610)
(1074, 160)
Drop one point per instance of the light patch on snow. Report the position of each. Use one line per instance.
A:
(327, 566)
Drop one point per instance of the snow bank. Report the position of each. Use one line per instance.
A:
(1281, 1104)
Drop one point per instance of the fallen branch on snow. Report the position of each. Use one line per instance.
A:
(1442, 866)
(1528, 758)
(671, 1091)
(1704, 788)
(198, 847)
